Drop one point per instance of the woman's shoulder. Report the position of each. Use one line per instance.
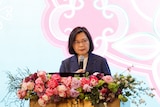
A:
(69, 58)
(96, 56)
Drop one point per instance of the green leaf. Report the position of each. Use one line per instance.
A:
(113, 87)
(100, 83)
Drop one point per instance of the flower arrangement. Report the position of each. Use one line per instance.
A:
(97, 88)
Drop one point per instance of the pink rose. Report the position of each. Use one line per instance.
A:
(42, 102)
(76, 83)
(62, 90)
(46, 97)
(21, 94)
(62, 94)
(107, 78)
(52, 83)
(93, 80)
(87, 88)
(68, 91)
(42, 75)
(39, 81)
(74, 93)
(30, 85)
(49, 91)
(67, 81)
(55, 91)
(39, 88)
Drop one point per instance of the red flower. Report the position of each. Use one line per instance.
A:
(52, 83)
(93, 80)
(84, 81)
(103, 90)
(56, 77)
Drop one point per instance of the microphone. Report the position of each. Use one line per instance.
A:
(81, 59)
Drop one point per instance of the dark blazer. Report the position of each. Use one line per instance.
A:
(95, 63)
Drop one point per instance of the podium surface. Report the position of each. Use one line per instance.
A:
(73, 103)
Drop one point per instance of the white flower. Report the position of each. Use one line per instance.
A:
(24, 86)
(130, 86)
(131, 79)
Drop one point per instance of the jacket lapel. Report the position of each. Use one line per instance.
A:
(74, 64)
(90, 63)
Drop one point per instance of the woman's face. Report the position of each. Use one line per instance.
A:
(81, 44)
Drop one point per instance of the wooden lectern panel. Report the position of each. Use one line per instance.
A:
(73, 103)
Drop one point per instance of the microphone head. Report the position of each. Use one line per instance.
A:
(81, 58)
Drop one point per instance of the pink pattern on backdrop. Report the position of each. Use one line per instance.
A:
(126, 33)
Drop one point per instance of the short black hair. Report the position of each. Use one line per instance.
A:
(72, 38)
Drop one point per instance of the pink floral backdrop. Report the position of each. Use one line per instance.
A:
(125, 32)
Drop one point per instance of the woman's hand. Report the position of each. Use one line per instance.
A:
(80, 71)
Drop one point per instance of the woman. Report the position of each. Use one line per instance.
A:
(81, 46)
